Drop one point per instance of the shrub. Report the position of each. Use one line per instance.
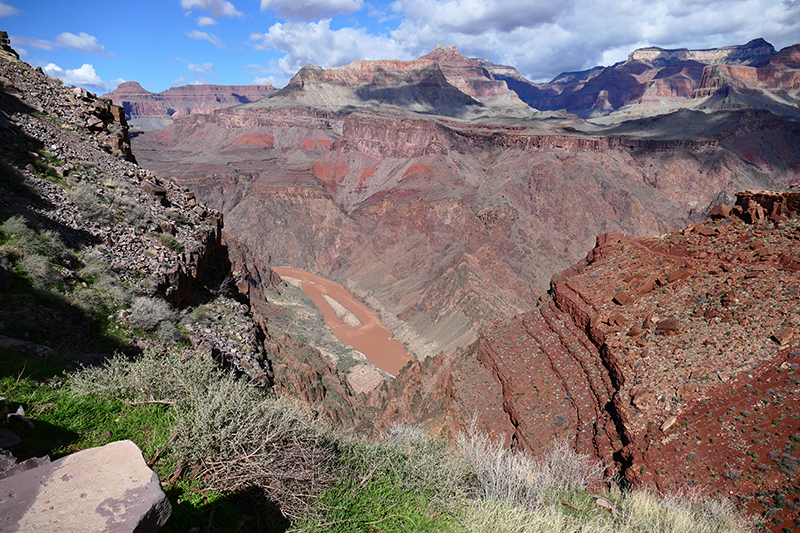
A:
(132, 212)
(198, 315)
(15, 229)
(235, 434)
(39, 270)
(517, 478)
(90, 204)
(170, 242)
(168, 332)
(148, 313)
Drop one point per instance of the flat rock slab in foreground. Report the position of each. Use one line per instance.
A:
(109, 488)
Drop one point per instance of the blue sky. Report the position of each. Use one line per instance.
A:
(165, 43)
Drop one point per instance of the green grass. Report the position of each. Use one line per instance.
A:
(379, 505)
(240, 455)
(65, 423)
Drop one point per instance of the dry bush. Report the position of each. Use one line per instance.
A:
(39, 270)
(90, 203)
(134, 213)
(170, 242)
(236, 434)
(147, 313)
(518, 478)
(682, 512)
(241, 439)
(492, 516)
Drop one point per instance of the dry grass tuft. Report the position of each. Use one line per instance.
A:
(233, 433)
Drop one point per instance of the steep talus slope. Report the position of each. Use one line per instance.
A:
(700, 328)
(93, 247)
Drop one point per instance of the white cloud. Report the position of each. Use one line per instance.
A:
(474, 17)
(201, 72)
(85, 77)
(204, 36)
(311, 9)
(318, 44)
(217, 8)
(83, 42)
(205, 21)
(269, 80)
(543, 39)
(33, 42)
(7, 10)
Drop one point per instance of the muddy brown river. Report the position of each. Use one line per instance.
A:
(351, 321)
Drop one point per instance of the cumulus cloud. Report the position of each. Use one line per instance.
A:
(85, 77)
(201, 69)
(217, 8)
(474, 17)
(544, 39)
(204, 36)
(205, 21)
(7, 10)
(318, 44)
(40, 44)
(311, 9)
(83, 42)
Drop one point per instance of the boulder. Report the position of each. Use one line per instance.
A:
(109, 488)
(720, 211)
(784, 336)
(623, 298)
(669, 326)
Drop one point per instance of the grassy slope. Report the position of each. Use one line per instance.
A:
(231, 442)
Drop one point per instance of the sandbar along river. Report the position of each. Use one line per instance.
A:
(351, 321)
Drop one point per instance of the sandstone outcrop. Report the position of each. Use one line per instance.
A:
(109, 488)
(469, 76)
(654, 81)
(148, 111)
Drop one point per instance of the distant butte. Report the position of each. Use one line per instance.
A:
(148, 111)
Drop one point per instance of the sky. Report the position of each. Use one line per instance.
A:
(165, 43)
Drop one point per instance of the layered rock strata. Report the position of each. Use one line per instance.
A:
(147, 111)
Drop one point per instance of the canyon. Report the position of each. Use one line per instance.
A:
(148, 111)
(551, 267)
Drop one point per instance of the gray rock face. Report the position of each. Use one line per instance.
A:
(109, 488)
